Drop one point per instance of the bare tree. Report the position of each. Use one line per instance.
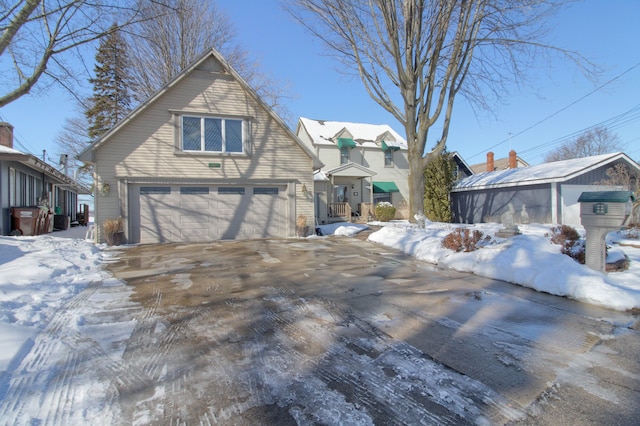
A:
(592, 142)
(415, 56)
(37, 37)
(71, 140)
(621, 175)
(176, 32)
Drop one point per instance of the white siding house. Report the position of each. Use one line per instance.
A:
(364, 164)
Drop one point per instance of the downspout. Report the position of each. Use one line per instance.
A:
(554, 202)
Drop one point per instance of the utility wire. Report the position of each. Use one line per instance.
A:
(559, 111)
(613, 123)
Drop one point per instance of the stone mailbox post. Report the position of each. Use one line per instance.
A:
(600, 213)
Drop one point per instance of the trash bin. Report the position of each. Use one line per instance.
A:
(60, 222)
(24, 220)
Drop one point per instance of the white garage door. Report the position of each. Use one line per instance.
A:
(206, 213)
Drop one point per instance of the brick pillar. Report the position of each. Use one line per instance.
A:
(6, 135)
(513, 162)
(490, 164)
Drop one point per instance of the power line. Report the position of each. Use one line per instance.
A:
(559, 111)
(612, 123)
(18, 139)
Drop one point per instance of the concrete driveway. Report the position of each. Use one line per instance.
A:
(343, 331)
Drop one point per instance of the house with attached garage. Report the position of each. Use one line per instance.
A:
(545, 193)
(35, 197)
(205, 158)
(364, 164)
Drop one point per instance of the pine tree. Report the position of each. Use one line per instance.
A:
(111, 99)
(439, 178)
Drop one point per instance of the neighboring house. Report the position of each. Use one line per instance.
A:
(28, 182)
(203, 159)
(462, 170)
(364, 165)
(511, 162)
(546, 193)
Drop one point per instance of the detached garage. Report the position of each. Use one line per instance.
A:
(203, 159)
(546, 193)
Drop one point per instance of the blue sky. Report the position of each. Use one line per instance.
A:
(605, 31)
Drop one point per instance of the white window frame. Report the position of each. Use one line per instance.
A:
(388, 158)
(243, 129)
(344, 158)
(12, 187)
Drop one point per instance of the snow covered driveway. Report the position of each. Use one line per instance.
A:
(319, 331)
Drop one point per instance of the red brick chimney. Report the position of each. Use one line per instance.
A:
(490, 164)
(6, 135)
(513, 161)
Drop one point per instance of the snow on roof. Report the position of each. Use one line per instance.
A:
(319, 175)
(323, 132)
(7, 150)
(556, 171)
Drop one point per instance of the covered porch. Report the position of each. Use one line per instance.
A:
(344, 194)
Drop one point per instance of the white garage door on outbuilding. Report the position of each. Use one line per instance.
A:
(199, 213)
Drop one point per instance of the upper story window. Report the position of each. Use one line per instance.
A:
(210, 134)
(388, 157)
(344, 155)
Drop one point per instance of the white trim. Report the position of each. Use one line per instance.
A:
(554, 202)
(555, 178)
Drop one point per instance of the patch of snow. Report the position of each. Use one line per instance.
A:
(529, 259)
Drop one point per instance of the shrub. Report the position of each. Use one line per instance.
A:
(385, 211)
(569, 239)
(301, 226)
(113, 231)
(463, 240)
(562, 234)
(439, 179)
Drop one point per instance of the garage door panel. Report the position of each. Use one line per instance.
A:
(155, 228)
(268, 212)
(195, 235)
(205, 213)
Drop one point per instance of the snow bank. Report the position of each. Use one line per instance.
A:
(530, 260)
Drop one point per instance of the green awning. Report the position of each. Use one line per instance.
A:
(346, 143)
(606, 197)
(385, 147)
(379, 187)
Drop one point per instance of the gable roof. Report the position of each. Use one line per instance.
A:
(461, 162)
(367, 135)
(350, 169)
(557, 171)
(87, 154)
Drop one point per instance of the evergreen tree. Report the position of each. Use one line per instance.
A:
(111, 99)
(439, 178)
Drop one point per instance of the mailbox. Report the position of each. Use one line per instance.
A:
(600, 213)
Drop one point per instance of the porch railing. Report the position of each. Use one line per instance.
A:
(339, 212)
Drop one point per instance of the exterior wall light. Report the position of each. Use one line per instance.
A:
(105, 189)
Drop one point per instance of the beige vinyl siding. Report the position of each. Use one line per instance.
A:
(147, 146)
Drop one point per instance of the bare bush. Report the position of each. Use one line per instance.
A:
(570, 240)
(463, 240)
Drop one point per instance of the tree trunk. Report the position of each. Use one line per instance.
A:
(416, 189)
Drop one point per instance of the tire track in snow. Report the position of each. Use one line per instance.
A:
(336, 366)
(24, 379)
(57, 369)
